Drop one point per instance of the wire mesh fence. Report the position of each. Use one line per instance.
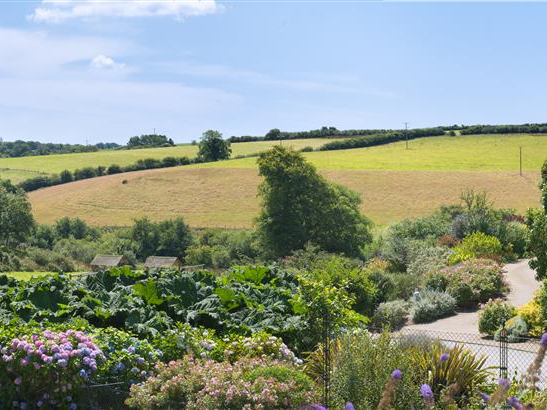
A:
(506, 359)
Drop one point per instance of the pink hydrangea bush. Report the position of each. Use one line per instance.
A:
(47, 370)
(249, 383)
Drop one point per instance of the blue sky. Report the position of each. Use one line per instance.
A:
(77, 71)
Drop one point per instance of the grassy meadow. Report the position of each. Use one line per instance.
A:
(393, 183)
(18, 169)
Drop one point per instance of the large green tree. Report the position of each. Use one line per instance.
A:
(299, 206)
(536, 219)
(16, 221)
(212, 147)
(166, 238)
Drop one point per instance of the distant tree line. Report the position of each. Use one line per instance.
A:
(66, 176)
(149, 141)
(379, 139)
(505, 129)
(323, 132)
(9, 149)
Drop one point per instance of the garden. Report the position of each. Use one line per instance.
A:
(271, 309)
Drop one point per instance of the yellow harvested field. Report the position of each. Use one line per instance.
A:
(226, 197)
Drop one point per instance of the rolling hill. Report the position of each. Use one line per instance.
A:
(18, 169)
(393, 182)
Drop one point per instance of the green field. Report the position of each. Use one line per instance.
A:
(462, 153)
(393, 182)
(18, 169)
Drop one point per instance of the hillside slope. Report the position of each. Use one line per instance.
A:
(393, 182)
(21, 168)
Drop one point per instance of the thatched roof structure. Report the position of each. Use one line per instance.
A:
(153, 262)
(108, 261)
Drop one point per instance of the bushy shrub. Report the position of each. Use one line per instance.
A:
(399, 238)
(474, 281)
(220, 249)
(127, 359)
(340, 272)
(47, 369)
(404, 285)
(429, 305)
(477, 245)
(248, 383)
(436, 281)
(362, 365)
(385, 285)
(203, 343)
(494, 314)
(531, 313)
(516, 236)
(517, 330)
(36, 259)
(391, 314)
(425, 259)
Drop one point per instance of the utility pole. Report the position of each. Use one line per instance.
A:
(154, 130)
(406, 134)
(520, 155)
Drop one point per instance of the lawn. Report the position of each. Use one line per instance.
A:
(393, 183)
(25, 275)
(18, 169)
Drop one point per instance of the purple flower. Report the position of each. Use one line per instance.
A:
(18, 380)
(315, 407)
(39, 403)
(426, 391)
(349, 406)
(444, 357)
(397, 374)
(514, 403)
(73, 406)
(504, 383)
(544, 339)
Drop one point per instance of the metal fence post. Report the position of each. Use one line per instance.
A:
(504, 352)
(326, 360)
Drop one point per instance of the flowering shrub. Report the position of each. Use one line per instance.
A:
(47, 369)
(494, 314)
(204, 343)
(249, 383)
(127, 359)
(474, 281)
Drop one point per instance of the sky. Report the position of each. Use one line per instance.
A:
(96, 71)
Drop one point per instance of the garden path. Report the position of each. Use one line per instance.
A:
(522, 286)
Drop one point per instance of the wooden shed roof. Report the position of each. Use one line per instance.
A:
(162, 262)
(109, 260)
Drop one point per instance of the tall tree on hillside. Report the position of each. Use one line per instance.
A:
(212, 147)
(16, 221)
(300, 206)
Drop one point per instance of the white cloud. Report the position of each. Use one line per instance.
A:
(55, 11)
(39, 54)
(104, 62)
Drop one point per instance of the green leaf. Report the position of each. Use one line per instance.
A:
(148, 291)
